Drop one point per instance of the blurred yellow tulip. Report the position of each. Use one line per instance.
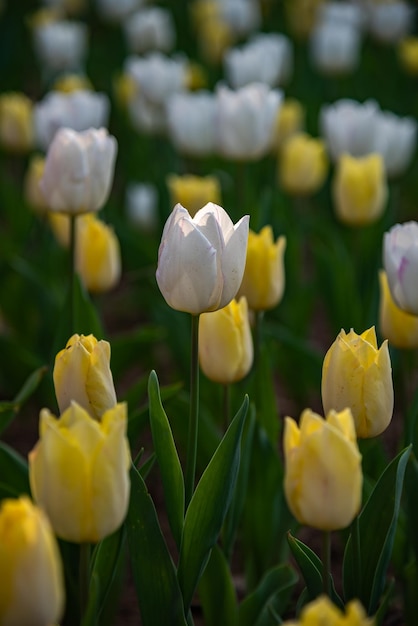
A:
(323, 476)
(225, 343)
(303, 165)
(302, 15)
(323, 612)
(358, 375)
(72, 82)
(397, 326)
(360, 190)
(408, 54)
(264, 278)
(16, 122)
(33, 193)
(290, 121)
(79, 472)
(193, 192)
(82, 374)
(32, 581)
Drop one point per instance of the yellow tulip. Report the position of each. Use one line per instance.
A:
(358, 375)
(79, 472)
(408, 54)
(124, 88)
(32, 584)
(193, 192)
(82, 374)
(323, 477)
(289, 122)
(196, 76)
(360, 189)
(397, 326)
(98, 258)
(16, 122)
(72, 82)
(215, 37)
(303, 165)
(322, 612)
(264, 279)
(302, 15)
(225, 343)
(33, 193)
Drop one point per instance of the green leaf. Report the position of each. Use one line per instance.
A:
(277, 582)
(14, 477)
(311, 567)
(217, 592)
(267, 414)
(154, 573)
(411, 482)
(105, 567)
(8, 410)
(377, 526)
(168, 460)
(208, 507)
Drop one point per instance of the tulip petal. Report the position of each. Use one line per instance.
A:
(233, 260)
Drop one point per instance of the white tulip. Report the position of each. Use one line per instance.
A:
(201, 260)
(78, 170)
(246, 119)
(78, 110)
(396, 139)
(61, 45)
(335, 47)
(242, 16)
(389, 22)
(117, 10)
(267, 58)
(191, 122)
(400, 260)
(150, 29)
(141, 206)
(157, 76)
(342, 12)
(349, 126)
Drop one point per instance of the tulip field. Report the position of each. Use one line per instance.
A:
(208, 312)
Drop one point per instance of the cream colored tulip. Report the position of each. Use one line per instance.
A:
(398, 327)
(225, 343)
(264, 278)
(79, 472)
(32, 580)
(98, 257)
(82, 374)
(323, 476)
(357, 374)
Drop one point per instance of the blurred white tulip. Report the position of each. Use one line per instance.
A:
(150, 29)
(117, 10)
(191, 122)
(396, 140)
(242, 16)
(390, 21)
(141, 206)
(61, 46)
(335, 47)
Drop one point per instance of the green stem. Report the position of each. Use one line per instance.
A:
(355, 542)
(194, 411)
(73, 238)
(326, 562)
(84, 577)
(257, 336)
(226, 405)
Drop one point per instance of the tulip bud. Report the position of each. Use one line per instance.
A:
(98, 259)
(225, 343)
(32, 582)
(79, 170)
(398, 327)
(193, 192)
(16, 122)
(79, 472)
(303, 165)
(264, 279)
(323, 477)
(360, 189)
(358, 375)
(323, 611)
(201, 259)
(400, 260)
(82, 374)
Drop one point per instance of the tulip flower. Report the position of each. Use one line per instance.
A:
(79, 472)
(400, 260)
(360, 189)
(32, 581)
(193, 192)
(79, 170)
(201, 260)
(335, 47)
(302, 16)
(264, 279)
(357, 374)
(98, 257)
(225, 343)
(303, 165)
(323, 611)
(191, 122)
(82, 374)
(398, 327)
(390, 22)
(289, 121)
(142, 206)
(149, 29)
(33, 194)
(61, 45)
(16, 122)
(408, 54)
(323, 477)
(395, 140)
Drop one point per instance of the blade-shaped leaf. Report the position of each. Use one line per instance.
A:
(209, 505)
(277, 581)
(14, 478)
(217, 592)
(311, 567)
(168, 460)
(377, 526)
(8, 410)
(155, 577)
